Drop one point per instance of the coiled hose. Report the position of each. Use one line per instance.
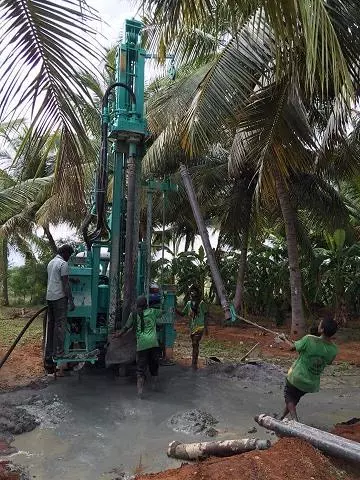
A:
(18, 338)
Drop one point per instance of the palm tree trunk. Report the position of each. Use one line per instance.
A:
(4, 295)
(298, 326)
(187, 242)
(238, 299)
(239, 292)
(50, 239)
(205, 240)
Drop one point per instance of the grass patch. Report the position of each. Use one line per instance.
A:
(210, 347)
(215, 348)
(10, 328)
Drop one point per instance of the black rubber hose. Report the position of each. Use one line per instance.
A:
(18, 338)
(101, 225)
(85, 227)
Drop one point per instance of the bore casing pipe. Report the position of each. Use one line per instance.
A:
(225, 448)
(324, 441)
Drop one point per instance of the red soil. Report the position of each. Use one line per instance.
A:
(348, 351)
(348, 430)
(289, 459)
(23, 366)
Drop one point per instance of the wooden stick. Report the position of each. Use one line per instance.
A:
(248, 353)
(258, 326)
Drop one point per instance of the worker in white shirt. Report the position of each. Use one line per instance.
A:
(59, 300)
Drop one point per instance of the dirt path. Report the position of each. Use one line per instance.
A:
(231, 343)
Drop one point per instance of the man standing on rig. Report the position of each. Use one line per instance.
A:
(59, 299)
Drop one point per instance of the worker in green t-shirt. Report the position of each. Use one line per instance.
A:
(143, 320)
(315, 352)
(197, 312)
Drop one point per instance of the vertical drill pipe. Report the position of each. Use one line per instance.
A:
(205, 240)
(324, 441)
(102, 180)
(123, 224)
(136, 243)
(163, 240)
(148, 243)
(129, 267)
(96, 250)
(116, 219)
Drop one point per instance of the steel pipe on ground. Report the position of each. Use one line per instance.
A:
(315, 433)
(226, 448)
(321, 434)
(324, 441)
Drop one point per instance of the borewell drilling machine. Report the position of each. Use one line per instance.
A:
(113, 266)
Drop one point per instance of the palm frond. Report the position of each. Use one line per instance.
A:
(168, 100)
(164, 155)
(273, 133)
(6, 180)
(326, 32)
(192, 44)
(326, 207)
(23, 245)
(14, 199)
(22, 221)
(45, 46)
(70, 182)
(226, 88)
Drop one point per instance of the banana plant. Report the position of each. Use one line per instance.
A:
(338, 270)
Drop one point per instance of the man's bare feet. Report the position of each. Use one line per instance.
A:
(60, 372)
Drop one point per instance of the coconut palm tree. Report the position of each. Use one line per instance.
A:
(325, 33)
(252, 56)
(310, 189)
(17, 201)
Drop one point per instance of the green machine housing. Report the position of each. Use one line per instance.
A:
(113, 266)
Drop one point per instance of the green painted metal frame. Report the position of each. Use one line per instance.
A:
(127, 129)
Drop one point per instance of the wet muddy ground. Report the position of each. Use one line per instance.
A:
(98, 429)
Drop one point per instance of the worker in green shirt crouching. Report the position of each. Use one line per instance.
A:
(143, 320)
(315, 352)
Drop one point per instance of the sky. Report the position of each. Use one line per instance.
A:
(113, 14)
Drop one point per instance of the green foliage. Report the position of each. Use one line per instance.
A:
(184, 269)
(334, 275)
(45, 47)
(266, 289)
(27, 284)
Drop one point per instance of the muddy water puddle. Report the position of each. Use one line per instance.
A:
(99, 430)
